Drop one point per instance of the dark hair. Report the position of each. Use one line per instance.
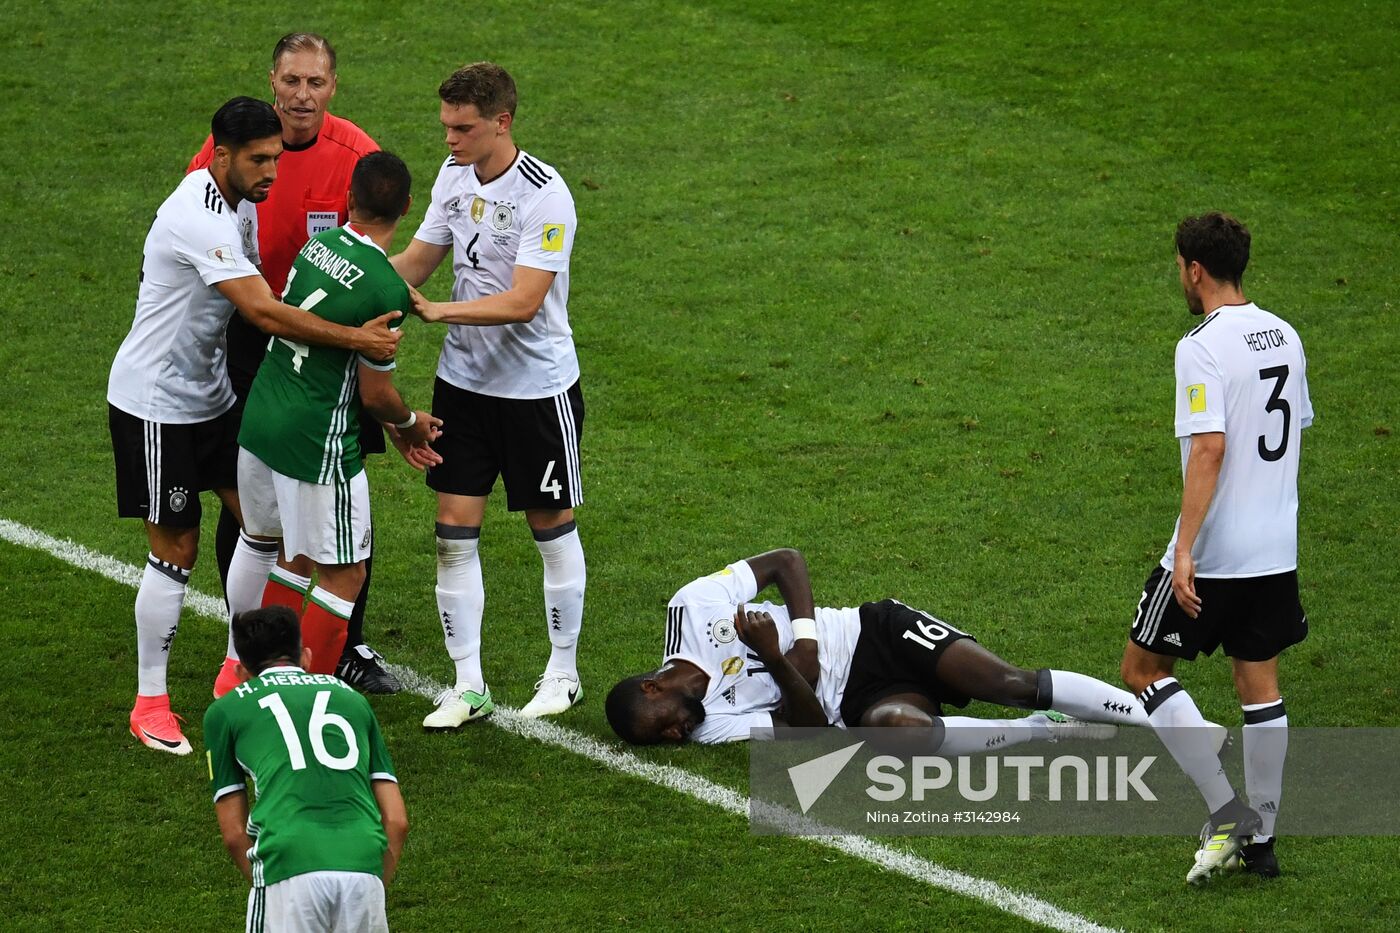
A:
(380, 184)
(624, 707)
(484, 85)
(1219, 242)
(303, 42)
(243, 120)
(261, 636)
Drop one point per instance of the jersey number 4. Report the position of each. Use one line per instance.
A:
(1276, 403)
(315, 731)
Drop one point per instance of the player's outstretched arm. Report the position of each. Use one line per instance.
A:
(517, 305)
(800, 705)
(787, 569)
(232, 810)
(411, 431)
(394, 815)
(255, 301)
(419, 260)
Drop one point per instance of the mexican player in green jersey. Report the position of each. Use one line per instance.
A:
(300, 475)
(328, 823)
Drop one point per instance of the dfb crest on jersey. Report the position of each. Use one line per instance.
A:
(179, 498)
(722, 631)
(503, 216)
(249, 245)
(478, 210)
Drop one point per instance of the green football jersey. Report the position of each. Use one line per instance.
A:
(303, 412)
(311, 746)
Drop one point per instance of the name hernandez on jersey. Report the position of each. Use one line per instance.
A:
(523, 217)
(1242, 372)
(171, 367)
(742, 694)
(303, 412)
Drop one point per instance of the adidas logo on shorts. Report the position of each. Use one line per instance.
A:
(1172, 639)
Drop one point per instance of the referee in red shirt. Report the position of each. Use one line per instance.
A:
(319, 152)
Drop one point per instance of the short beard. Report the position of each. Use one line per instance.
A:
(1194, 304)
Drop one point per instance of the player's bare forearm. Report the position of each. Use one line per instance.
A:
(800, 704)
(803, 657)
(418, 261)
(786, 568)
(394, 815)
(517, 305)
(232, 811)
(759, 632)
(255, 301)
(1198, 489)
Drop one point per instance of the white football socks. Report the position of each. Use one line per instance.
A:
(159, 600)
(565, 576)
(461, 599)
(247, 578)
(1091, 699)
(1265, 747)
(965, 735)
(1184, 731)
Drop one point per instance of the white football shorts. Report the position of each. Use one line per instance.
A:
(329, 524)
(319, 902)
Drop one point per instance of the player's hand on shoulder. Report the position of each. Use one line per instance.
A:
(380, 341)
(758, 631)
(425, 309)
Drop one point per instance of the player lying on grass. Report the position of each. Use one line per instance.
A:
(728, 668)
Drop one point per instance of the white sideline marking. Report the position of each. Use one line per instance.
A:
(1022, 905)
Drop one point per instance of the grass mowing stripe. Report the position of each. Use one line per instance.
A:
(1022, 905)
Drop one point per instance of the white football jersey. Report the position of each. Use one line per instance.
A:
(1242, 371)
(523, 217)
(171, 366)
(742, 695)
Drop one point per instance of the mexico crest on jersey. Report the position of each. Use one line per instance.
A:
(503, 216)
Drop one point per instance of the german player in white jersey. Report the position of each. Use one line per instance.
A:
(731, 666)
(168, 393)
(1229, 576)
(507, 387)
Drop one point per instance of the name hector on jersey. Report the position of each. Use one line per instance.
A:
(342, 270)
(1264, 339)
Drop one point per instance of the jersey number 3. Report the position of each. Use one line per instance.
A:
(1276, 403)
(316, 732)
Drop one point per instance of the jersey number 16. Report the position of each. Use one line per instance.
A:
(316, 732)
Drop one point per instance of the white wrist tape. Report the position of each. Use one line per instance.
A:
(412, 420)
(804, 628)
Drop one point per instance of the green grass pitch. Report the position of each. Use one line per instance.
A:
(891, 283)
